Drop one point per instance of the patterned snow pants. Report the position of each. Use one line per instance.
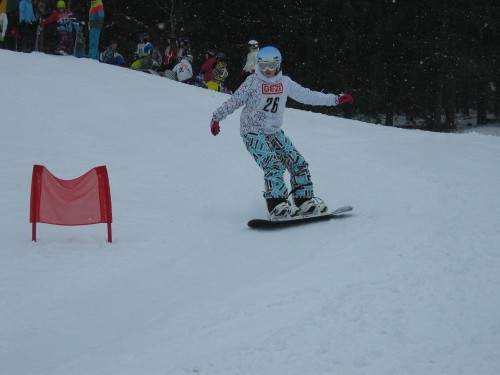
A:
(275, 153)
(65, 43)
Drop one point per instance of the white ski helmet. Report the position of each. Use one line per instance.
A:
(253, 43)
(269, 58)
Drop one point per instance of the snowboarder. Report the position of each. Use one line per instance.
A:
(264, 96)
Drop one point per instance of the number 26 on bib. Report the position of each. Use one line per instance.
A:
(271, 101)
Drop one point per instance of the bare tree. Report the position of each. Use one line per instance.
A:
(170, 8)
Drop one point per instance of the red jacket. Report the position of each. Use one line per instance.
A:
(169, 57)
(65, 20)
(207, 68)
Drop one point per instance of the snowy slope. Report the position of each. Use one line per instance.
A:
(407, 284)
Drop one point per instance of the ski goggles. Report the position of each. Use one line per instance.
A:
(267, 65)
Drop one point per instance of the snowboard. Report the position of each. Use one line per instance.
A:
(79, 48)
(60, 53)
(150, 71)
(39, 39)
(266, 223)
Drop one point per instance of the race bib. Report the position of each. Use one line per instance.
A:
(272, 98)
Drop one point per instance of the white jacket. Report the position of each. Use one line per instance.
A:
(265, 99)
(251, 61)
(184, 70)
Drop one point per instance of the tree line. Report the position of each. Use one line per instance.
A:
(425, 59)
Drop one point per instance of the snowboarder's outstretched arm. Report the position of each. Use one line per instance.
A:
(308, 96)
(237, 100)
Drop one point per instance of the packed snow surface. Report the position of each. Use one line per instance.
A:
(409, 283)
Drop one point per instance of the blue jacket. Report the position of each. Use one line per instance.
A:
(26, 13)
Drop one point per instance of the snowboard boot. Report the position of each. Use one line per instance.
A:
(280, 208)
(311, 206)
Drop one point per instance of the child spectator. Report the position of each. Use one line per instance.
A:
(40, 9)
(143, 51)
(170, 54)
(183, 47)
(184, 69)
(65, 23)
(156, 59)
(150, 61)
(219, 74)
(253, 50)
(208, 66)
(111, 56)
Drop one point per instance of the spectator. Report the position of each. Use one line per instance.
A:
(143, 50)
(170, 54)
(184, 70)
(219, 74)
(183, 47)
(40, 13)
(208, 66)
(156, 59)
(249, 68)
(40, 10)
(111, 56)
(14, 34)
(65, 23)
(96, 20)
(27, 26)
(4, 22)
(150, 61)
